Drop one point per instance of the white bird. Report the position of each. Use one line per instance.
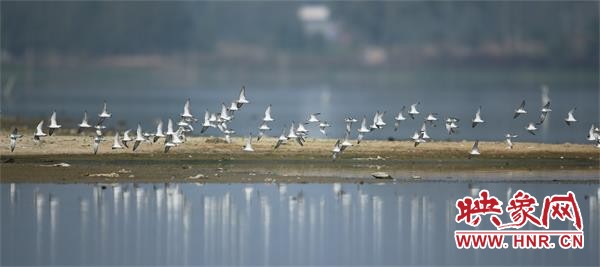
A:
(207, 122)
(301, 130)
(233, 107)
(375, 120)
(97, 140)
(99, 128)
(399, 118)
(282, 138)
(292, 135)
(53, 124)
(346, 143)
(187, 114)
(474, 150)
(84, 123)
(248, 146)
(424, 131)
(14, 135)
(336, 149)
(570, 117)
(477, 119)
(139, 137)
(592, 135)
(117, 142)
(126, 138)
(323, 126)
(413, 110)
(431, 118)
(268, 117)
(380, 123)
(362, 130)
(313, 117)
(451, 125)
(159, 131)
(531, 128)
(169, 143)
(520, 110)
(545, 110)
(242, 98)
(419, 138)
(261, 130)
(349, 121)
(509, 143)
(38, 131)
(104, 114)
(225, 113)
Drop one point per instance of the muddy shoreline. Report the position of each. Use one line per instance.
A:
(203, 160)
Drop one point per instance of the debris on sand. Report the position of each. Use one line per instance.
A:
(109, 175)
(62, 164)
(9, 160)
(197, 176)
(381, 175)
(124, 171)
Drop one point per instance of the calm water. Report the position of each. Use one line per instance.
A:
(408, 223)
(334, 102)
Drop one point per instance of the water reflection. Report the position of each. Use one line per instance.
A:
(263, 224)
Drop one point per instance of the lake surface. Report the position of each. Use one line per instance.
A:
(256, 224)
(335, 95)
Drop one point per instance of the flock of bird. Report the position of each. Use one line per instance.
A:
(297, 131)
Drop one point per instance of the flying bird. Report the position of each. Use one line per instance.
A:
(242, 98)
(336, 149)
(139, 137)
(323, 126)
(399, 118)
(104, 114)
(53, 124)
(451, 125)
(570, 117)
(14, 135)
(38, 131)
(520, 110)
(97, 140)
(84, 123)
(248, 145)
(117, 144)
(413, 110)
(545, 110)
(313, 117)
(477, 119)
(474, 150)
(509, 143)
(362, 130)
(268, 117)
(126, 138)
(531, 128)
(282, 138)
(187, 114)
(431, 118)
(159, 131)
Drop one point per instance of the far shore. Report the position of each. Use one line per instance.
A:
(210, 160)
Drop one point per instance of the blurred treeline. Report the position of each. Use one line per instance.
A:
(539, 33)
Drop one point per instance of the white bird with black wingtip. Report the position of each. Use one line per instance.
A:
(520, 110)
